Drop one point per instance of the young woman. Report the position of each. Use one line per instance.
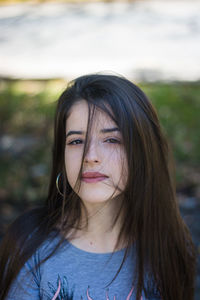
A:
(111, 227)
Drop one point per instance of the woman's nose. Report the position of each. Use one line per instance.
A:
(92, 154)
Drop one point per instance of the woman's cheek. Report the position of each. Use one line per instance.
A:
(72, 166)
(112, 154)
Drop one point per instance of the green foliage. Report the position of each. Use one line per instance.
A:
(178, 107)
(26, 112)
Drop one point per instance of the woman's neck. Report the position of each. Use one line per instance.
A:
(99, 234)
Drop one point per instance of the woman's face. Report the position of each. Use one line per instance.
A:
(104, 172)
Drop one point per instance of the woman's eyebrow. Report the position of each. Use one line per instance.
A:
(104, 130)
(71, 132)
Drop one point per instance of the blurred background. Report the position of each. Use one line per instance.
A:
(44, 44)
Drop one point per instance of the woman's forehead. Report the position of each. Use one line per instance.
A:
(79, 114)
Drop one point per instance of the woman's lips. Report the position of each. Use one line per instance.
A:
(91, 177)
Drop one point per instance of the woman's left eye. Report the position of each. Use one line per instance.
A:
(75, 142)
(112, 141)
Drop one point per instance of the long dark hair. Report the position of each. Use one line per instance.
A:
(151, 215)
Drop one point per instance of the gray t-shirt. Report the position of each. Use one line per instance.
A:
(72, 273)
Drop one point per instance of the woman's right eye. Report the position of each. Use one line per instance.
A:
(75, 142)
